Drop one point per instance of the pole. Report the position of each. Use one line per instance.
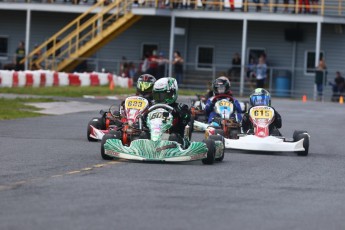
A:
(171, 48)
(243, 59)
(27, 36)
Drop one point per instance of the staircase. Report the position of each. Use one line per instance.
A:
(84, 36)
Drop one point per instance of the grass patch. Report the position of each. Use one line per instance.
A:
(16, 108)
(73, 91)
(69, 91)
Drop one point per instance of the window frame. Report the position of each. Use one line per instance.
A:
(255, 49)
(197, 57)
(5, 56)
(142, 50)
(305, 64)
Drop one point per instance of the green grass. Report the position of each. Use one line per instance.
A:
(72, 91)
(16, 108)
(69, 91)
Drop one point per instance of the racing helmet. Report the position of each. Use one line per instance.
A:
(221, 86)
(165, 90)
(145, 85)
(260, 96)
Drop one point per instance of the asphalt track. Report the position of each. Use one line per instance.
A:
(51, 177)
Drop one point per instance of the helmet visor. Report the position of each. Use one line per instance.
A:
(144, 86)
(220, 89)
(260, 100)
(163, 97)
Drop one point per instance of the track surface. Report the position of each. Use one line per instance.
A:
(51, 177)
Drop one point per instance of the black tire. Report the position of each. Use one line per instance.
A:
(296, 133)
(300, 136)
(219, 138)
(233, 134)
(209, 160)
(104, 139)
(95, 122)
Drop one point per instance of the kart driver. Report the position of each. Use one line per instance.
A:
(221, 90)
(258, 97)
(143, 89)
(165, 91)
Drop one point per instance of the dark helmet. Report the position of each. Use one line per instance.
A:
(221, 86)
(145, 85)
(260, 96)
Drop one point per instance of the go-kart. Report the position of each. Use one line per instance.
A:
(260, 138)
(225, 123)
(198, 105)
(128, 126)
(159, 145)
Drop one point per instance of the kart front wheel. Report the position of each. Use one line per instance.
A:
(299, 135)
(95, 122)
(211, 150)
(219, 138)
(104, 140)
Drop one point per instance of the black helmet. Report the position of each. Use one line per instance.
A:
(221, 86)
(260, 96)
(145, 85)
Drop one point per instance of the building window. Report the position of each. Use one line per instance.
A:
(147, 49)
(3, 46)
(309, 64)
(254, 54)
(205, 57)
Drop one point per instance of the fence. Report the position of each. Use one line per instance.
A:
(285, 82)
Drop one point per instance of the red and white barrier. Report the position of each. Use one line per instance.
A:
(46, 78)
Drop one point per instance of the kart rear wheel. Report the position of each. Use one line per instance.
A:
(95, 122)
(104, 139)
(219, 138)
(211, 150)
(300, 136)
(233, 134)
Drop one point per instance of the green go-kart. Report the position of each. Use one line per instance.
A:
(159, 145)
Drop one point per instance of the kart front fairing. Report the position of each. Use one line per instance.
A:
(149, 150)
(266, 144)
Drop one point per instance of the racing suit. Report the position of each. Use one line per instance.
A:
(247, 125)
(210, 114)
(182, 115)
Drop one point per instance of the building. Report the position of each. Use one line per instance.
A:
(207, 36)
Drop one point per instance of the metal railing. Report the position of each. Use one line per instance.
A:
(66, 43)
(281, 81)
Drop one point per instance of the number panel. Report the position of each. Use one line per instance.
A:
(261, 112)
(135, 103)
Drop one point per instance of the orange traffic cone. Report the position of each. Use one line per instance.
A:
(111, 85)
(341, 100)
(304, 98)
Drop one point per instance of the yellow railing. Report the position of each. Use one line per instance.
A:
(66, 43)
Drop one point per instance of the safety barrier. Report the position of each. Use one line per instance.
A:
(47, 78)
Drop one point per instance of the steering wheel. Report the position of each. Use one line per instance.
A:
(163, 106)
